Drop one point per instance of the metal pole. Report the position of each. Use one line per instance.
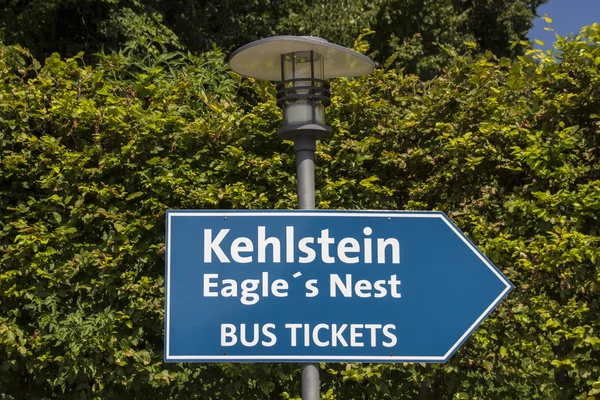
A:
(305, 147)
(310, 381)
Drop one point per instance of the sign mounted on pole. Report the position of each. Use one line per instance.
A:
(311, 286)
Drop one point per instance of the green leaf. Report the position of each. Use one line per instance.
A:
(134, 196)
(503, 351)
(119, 227)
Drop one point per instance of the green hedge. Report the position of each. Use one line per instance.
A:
(91, 157)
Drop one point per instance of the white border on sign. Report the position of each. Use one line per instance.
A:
(276, 213)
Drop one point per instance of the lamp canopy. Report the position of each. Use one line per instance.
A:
(261, 59)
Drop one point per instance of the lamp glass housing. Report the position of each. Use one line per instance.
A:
(302, 76)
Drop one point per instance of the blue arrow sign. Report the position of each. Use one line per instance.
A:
(309, 286)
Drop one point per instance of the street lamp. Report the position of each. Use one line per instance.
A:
(301, 65)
